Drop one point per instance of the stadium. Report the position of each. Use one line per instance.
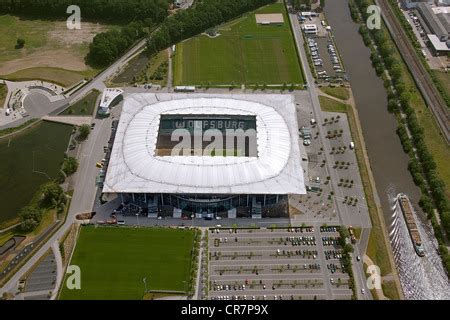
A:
(207, 155)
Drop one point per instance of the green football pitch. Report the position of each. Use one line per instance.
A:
(114, 261)
(244, 52)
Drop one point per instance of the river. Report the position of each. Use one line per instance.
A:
(388, 162)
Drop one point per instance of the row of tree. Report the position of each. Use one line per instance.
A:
(421, 165)
(412, 37)
(108, 46)
(206, 14)
(106, 10)
(301, 4)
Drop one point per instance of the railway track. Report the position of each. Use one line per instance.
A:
(423, 80)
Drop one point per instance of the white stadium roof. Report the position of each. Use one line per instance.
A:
(134, 166)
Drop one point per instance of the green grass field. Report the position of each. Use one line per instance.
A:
(243, 53)
(114, 261)
(337, 92)
(65, 78)
(28, 160)
(83, 107)
(331, 105)
(444, 79)
(34, 32)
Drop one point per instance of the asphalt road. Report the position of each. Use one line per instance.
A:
(343, 214)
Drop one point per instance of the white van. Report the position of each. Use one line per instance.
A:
(352, 145)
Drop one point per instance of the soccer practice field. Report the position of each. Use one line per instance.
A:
(244, 52)
(114, 261)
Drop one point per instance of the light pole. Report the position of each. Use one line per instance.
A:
(137, 217)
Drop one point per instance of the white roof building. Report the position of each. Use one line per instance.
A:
(134, 166)
(108, 95)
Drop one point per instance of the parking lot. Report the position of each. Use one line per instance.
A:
(327, 63)
(323, 52)
(41, 281)
(276, 264)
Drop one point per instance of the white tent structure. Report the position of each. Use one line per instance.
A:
(134, 166)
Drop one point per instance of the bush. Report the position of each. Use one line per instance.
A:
(30, 217)
(20, 43)
(83, 132)
(70, 166)
(52, 194)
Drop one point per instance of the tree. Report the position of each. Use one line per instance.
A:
(30, 217)
(70, 165)
(52, 194)
(204, 15)
(83, 132)
(20, 43)
(343, 232)
(348, 248)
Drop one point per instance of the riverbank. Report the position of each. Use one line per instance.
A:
(379, 249)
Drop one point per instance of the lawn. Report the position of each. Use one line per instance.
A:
(28, 160)
(114, 261)
(32, 31)
(83, 107)
(65, 78)
(244, 52)
(48, 43)
(390, 290)
(444, 81)
(331, 105)
(337, 92)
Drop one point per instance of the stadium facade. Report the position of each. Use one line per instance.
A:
(207, 155)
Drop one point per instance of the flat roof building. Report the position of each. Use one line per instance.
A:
(432, 21)
(437, 46)
(310, 29)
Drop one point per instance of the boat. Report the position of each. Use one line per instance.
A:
(407, 210)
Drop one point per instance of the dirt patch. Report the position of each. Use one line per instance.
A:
(68, 37)
(64, 49)
(62, 58)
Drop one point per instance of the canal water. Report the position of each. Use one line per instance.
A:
(388, 162)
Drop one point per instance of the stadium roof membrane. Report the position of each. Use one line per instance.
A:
(134, 166)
